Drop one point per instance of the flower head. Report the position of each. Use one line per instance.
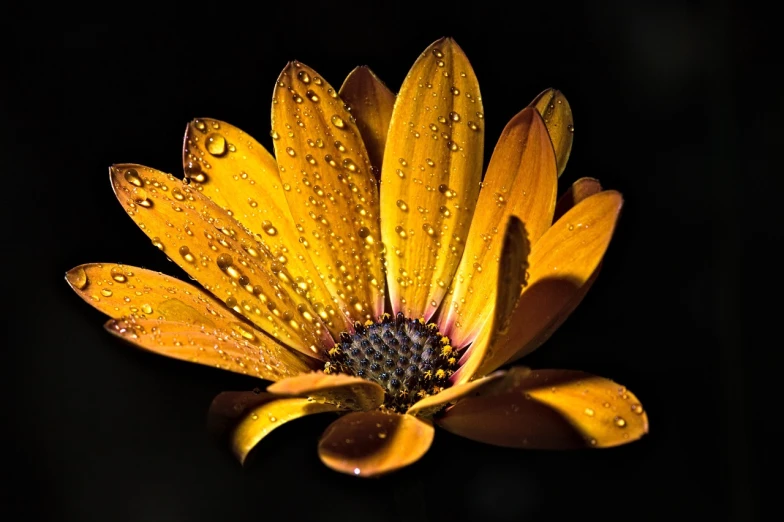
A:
(370, 269)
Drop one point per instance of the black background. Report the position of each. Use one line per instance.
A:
(670, 109)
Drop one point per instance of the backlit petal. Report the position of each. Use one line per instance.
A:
(562, 263)
(549, 409)
(167, 316)
(557, 115)
(511, 278)
(237, 173)
(521, 181)
(581, 189)
(213, 248)
(434, 403)
(372, 443)
(247, 417)
(371, 104)
(348, 392)
(331, 191)
(430, 177)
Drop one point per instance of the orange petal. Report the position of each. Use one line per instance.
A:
(431, 405)
(549, 409)
(329, 186)
(581, 189)
(557, 114)
(430, 177)
(372, 443)
(511, 277)
(166, 316)
(562, 263)
(371, 104)
(521, 181)
(348, 392)
(247, 417)
(222, 255)
(236, 172)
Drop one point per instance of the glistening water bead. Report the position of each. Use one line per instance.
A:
(408, 358)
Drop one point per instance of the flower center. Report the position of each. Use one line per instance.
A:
(408, 358)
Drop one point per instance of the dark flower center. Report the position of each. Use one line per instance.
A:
(408, 358)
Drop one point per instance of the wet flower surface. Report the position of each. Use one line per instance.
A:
(370, 269)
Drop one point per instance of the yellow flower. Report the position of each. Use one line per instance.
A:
(372, 271)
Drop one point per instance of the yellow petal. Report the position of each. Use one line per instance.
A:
(521, 181)
(371, 104)
(562, 263)
(166, 316)
(581, 189)
(430, 177)
(349, 392)
(549, 409)
(329, 186)
(557, 114)
(247, 417)
(225, 258)
(373, 443)
(428, 406)
(511, 278)
(236, 172)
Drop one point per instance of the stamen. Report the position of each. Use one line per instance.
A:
(408, 358)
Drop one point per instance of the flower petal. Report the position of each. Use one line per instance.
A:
(521, 181)
(348, 392)
(557, 114)
(247, 417)
(549, 409)
(329, 186)
(563, 262)
(371, 104)
(511, 278)
(236, 172)
(167, 316)
(430, 177)
(372, 443)
(428, 406)
(581, 189)
(225, 258)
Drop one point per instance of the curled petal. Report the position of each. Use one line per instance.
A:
(329, 185)
(511, 279)
(435, 403)
(247, 417)
(549, 409)
(430, 177)
(557, 115)
(373, 443)
(167, 316)
(216, 250)
(345, 391)
(521, 181)
(371, 104)
(562, 263)
(241, 176)
(581, 189)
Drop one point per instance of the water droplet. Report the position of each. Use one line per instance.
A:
(269, 228)
(274, 135)
(473, 126)
(216, 144)
(200, 125)
(338, 122)
(304, 77)
(444, 211)
(454, 116)
(117, 275)
(156, 241)
(620, 422)
(132, 177)
(402, 205)
(401, 231)
(429, 230)
(455, 90)
(364, 233)
(350, 165)
(146, 308)
(589, 412)
(185, 252)
(106, 292)
(290, 152)
(637, 408)
(437, 53)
